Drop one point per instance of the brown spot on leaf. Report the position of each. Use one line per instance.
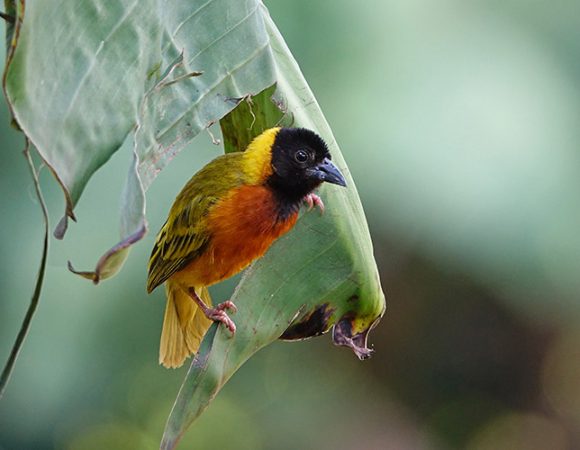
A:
(312, 324)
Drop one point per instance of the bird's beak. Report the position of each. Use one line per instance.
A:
(328, 172)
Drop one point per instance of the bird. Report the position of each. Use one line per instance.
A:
(226, 216)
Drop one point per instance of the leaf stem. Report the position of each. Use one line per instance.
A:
(8, 368)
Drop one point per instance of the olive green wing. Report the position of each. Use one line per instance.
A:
(185, 235)
(177, 245)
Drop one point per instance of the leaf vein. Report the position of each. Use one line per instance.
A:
(224, 34)
(285, 281)
(187, 19)
(95, 58)
(205, 94)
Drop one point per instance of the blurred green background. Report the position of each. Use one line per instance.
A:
(460, 123)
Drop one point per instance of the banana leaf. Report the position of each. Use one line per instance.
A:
(321, 276)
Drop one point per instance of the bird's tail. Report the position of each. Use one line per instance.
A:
(184, 325)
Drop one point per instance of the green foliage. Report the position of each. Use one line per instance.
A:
(107, 83)
(9, 366)
(459, 123)
(252, 116)
(309, 281)
(159, 74)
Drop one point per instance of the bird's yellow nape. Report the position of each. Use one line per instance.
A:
(258, 157)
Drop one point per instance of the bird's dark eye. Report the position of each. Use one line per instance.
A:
(301, 156)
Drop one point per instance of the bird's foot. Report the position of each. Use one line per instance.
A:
(227, 305)
(313, 200)
(218, 314)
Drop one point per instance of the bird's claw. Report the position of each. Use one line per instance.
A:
(313, 200)
(219, 315)
(227, 305)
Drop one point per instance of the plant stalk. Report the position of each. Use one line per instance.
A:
(9, 367)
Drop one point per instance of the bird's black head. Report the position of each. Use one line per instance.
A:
(300, 163)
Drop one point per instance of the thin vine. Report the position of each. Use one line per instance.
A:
(9, 366)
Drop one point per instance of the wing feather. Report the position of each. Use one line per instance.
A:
(185, 235)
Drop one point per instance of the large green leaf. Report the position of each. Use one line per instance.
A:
(83, 77)
(80, 80)
(321, 275)
(71, 68)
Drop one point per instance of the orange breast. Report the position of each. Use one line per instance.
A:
(242, 227)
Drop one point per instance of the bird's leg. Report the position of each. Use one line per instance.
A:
(217, 314)
(313, 200)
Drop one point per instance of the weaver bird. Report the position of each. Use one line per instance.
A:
(227, 215)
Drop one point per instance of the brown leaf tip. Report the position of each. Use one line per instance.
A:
(93, 276)
(342, 335)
